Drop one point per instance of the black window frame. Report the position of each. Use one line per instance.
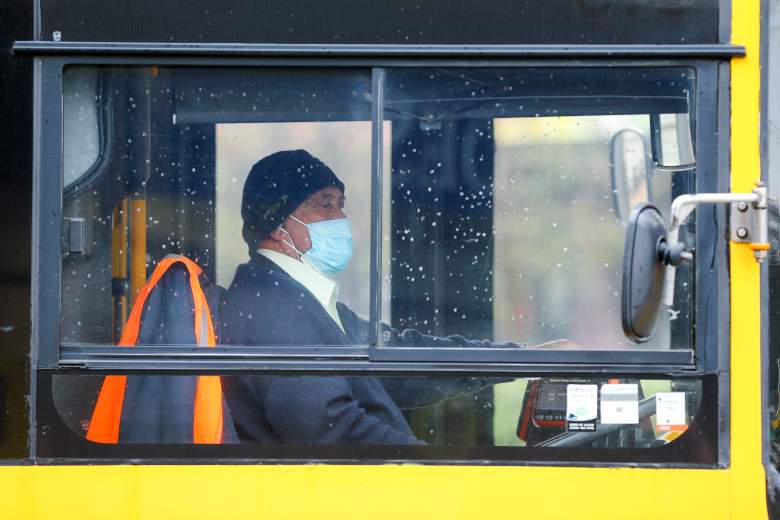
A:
(711, 284)
(710, 362)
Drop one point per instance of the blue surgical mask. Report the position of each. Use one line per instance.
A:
(331, 245)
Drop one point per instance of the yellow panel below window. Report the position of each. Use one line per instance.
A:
(362, 492)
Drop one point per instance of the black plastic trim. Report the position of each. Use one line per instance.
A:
(217, 49)
(257, 363)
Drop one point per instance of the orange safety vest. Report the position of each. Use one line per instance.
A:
(207, 411)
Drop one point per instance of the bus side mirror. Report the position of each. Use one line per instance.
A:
(651, 254)
(644, 271)
(630, 164)
(672, 142)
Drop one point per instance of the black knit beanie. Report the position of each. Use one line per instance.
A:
(276, 186)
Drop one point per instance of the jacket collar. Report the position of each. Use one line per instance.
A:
(324, 289)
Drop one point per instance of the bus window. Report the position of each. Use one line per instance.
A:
(498, 212)
(658, 417)
(479, 169)
(310, 221)
(182, 143)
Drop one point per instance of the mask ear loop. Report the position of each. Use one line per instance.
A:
(290, 243)
(299, 221)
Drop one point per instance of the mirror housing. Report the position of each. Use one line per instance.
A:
(630, 168)
(644, 271)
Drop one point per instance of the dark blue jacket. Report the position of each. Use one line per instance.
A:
(265, 306)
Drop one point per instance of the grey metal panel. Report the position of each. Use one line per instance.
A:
(228, 352)
(712, 175)
(424, 357)
(770, 174)
(530, 355)
(377, 157)
(342, 367)
(771, 90)
(35, 302)
(764, 58)
(724, 21)
(37, 19)
(47, 212)
(290, 50)
(720, 360)
(328, 61)
(46, 216)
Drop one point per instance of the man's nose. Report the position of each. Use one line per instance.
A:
(340, 213)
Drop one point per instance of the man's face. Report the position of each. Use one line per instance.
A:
(326, 204)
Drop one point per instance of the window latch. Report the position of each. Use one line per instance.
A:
(73, 235)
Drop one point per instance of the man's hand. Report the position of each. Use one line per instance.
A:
(556, 343)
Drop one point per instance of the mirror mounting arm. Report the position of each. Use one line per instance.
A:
(748, 223)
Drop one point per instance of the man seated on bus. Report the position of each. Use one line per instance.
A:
(299, 238)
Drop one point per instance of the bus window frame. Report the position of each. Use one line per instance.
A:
(711, 298)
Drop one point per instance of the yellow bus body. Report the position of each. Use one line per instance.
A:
(440, 491)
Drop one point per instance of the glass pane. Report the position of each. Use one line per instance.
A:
(676, 147)
(241, 171)
(598, 415)
(500, 220)
(343, 145)
(82, 109)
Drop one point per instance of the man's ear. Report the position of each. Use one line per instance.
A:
(277, 234)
